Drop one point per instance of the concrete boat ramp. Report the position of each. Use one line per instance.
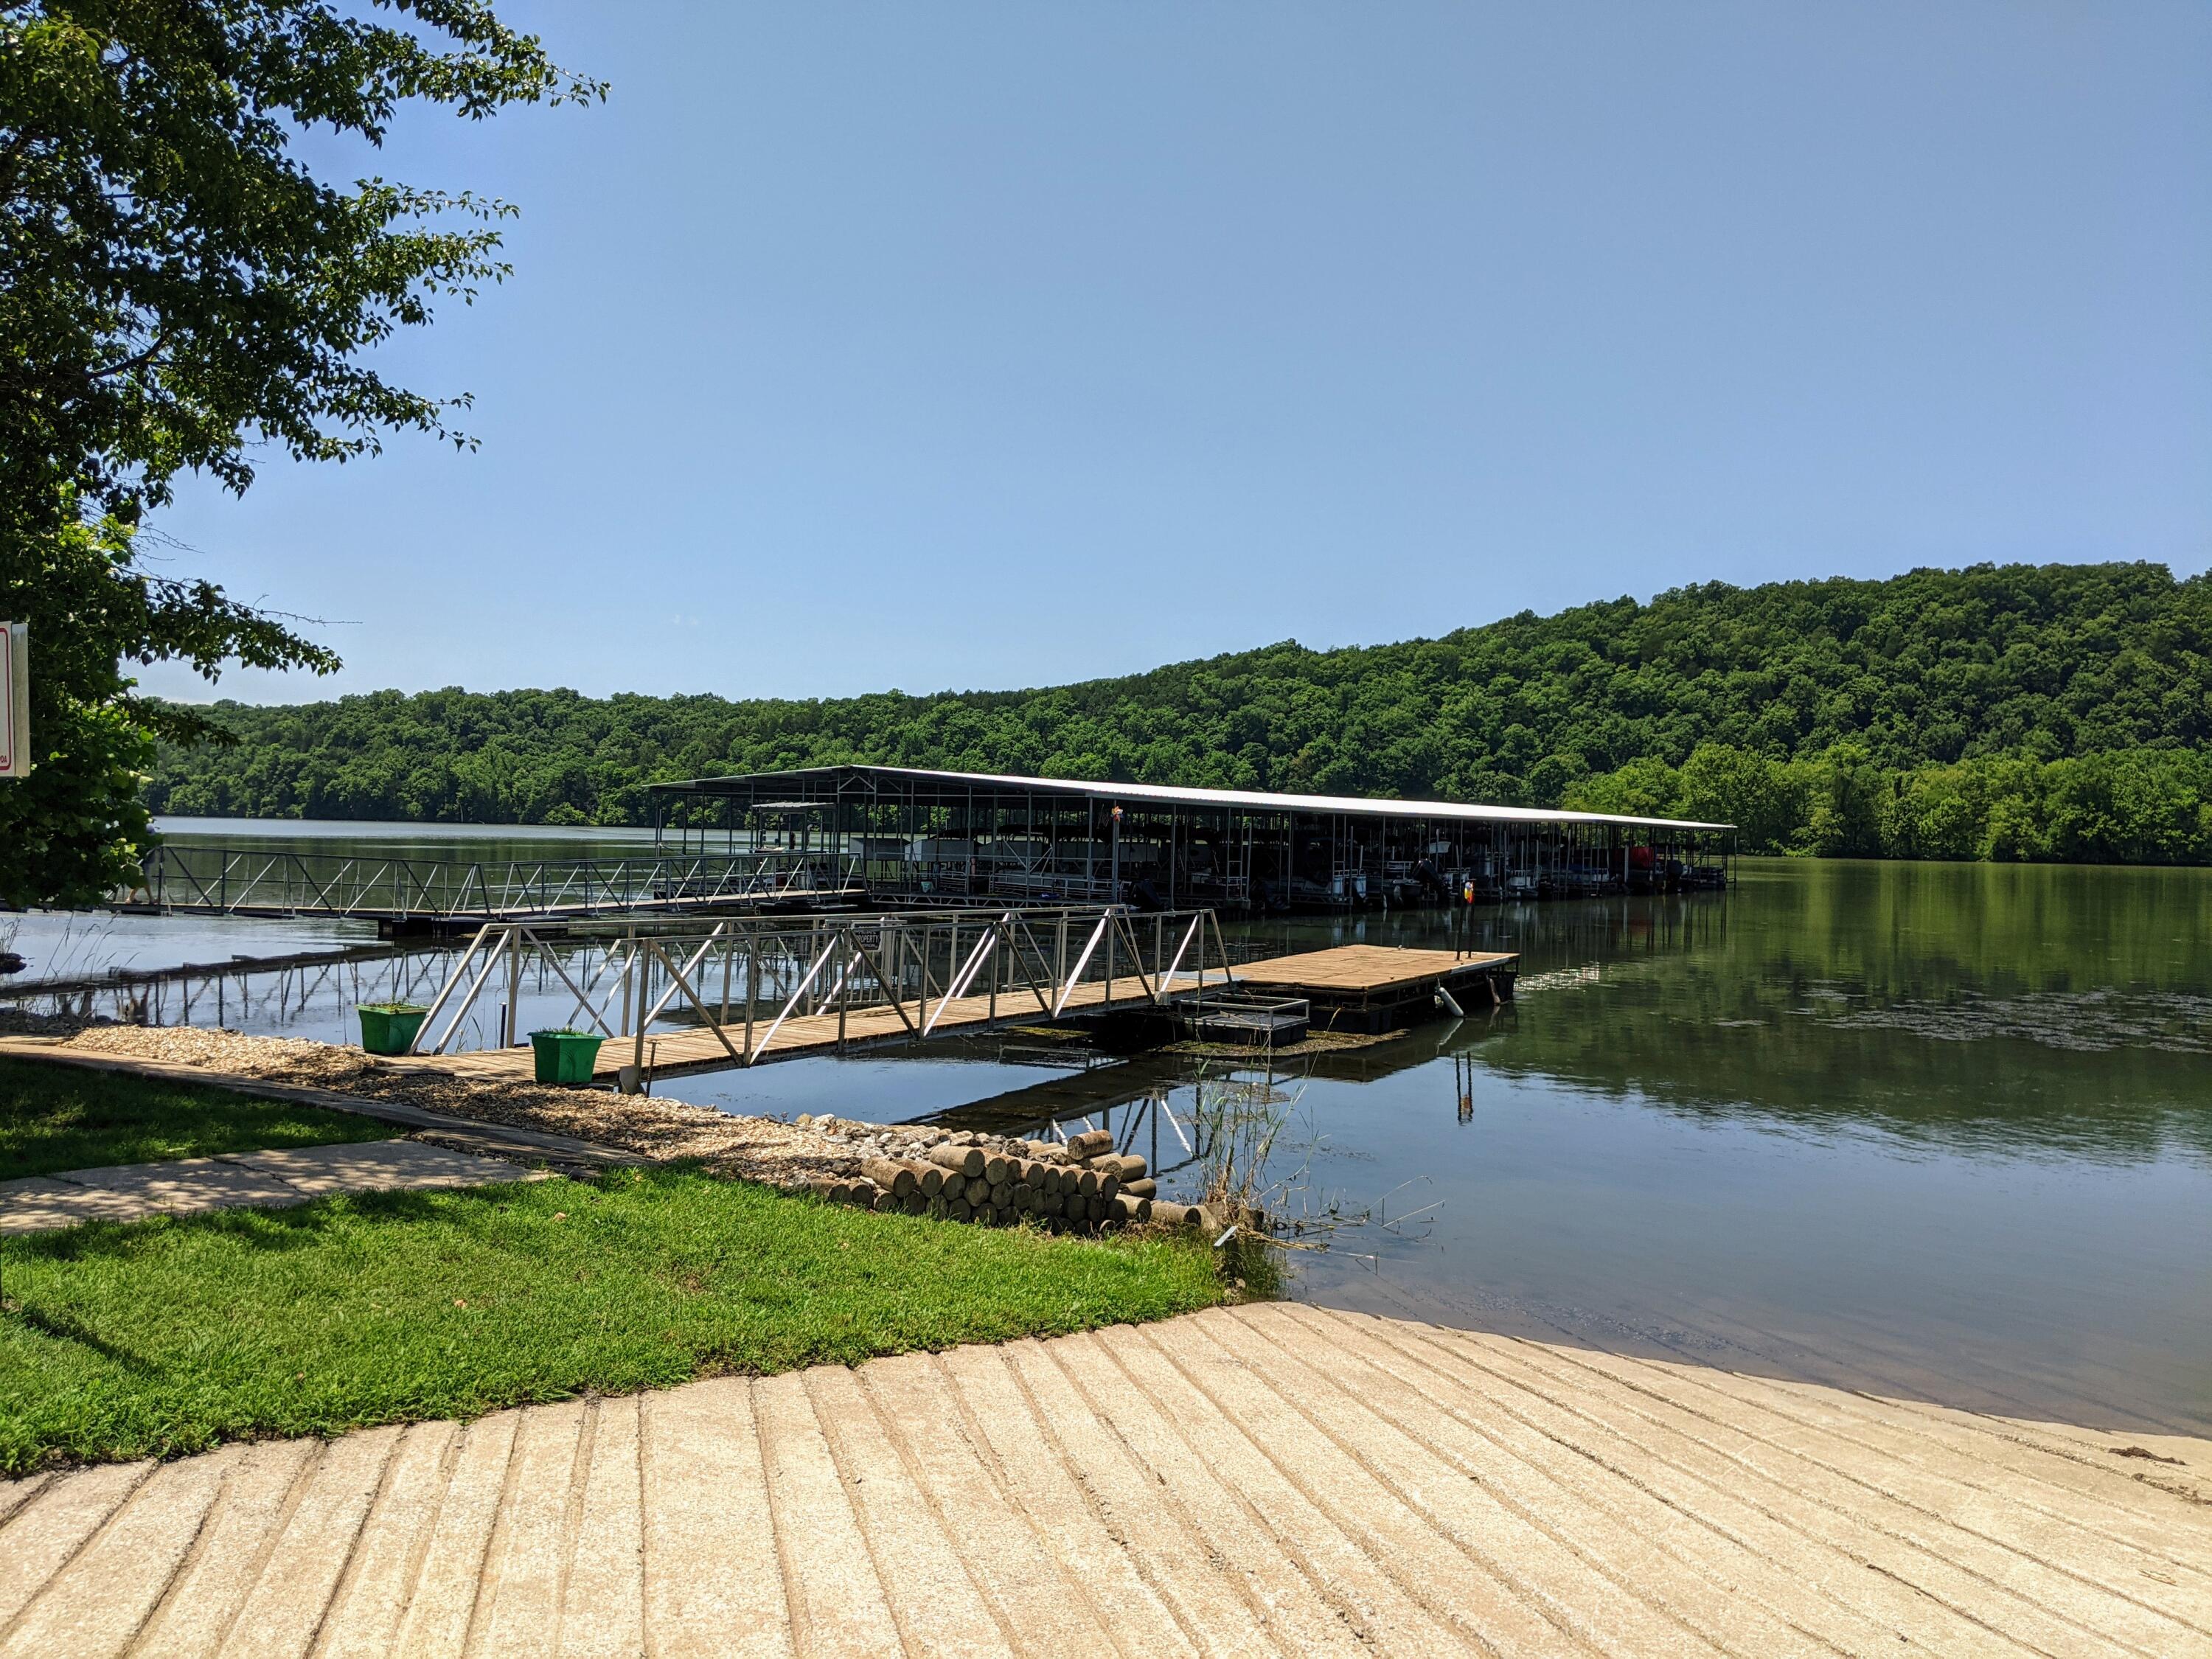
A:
(1267, 1479)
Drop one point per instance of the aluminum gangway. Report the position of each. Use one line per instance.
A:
(746, 990)
(400, 890)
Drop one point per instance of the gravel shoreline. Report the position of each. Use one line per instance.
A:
(758, 1148)
(845, 1159)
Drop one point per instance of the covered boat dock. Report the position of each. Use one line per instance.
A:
(916, 834)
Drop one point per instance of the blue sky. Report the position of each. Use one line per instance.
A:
(952, 345)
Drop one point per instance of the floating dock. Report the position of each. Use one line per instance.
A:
(1378, 987)
(1351, 988)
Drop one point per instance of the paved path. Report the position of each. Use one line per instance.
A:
(497, 1140)
(285, 1175)
(1265, 1480)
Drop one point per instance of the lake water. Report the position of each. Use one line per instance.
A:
(1943, 1130)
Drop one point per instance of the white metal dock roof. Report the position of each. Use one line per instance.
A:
(1253, 799)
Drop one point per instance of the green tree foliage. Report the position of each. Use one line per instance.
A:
(2025, 712)
(70, 831)
(176, 285)
(2134, 806)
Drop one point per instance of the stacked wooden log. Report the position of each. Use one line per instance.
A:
(1081, 1186)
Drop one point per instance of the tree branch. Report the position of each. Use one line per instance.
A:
(137, 361)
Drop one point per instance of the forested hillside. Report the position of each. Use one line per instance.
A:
(2021, 711)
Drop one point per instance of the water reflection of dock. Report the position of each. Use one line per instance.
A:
(1097, 1090)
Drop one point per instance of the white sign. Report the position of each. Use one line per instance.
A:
(14, 699)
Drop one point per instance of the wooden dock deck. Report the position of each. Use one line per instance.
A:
(1351, 988)
(1380, 988)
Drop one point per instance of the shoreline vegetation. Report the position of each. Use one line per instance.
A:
(2136, 806)
(2053, 712)
(1080, 1186)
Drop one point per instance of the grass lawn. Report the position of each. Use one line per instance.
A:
(172, 1334)
(69, 1117)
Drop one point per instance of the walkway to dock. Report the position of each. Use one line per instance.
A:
(1356, 970)
(262, 1180)
(398, 890)
(1270, 1480)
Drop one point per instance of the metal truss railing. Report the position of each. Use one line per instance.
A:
(255, 994)
(745, 981)
(188, 877)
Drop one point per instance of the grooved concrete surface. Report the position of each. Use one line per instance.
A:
(1272, 1479)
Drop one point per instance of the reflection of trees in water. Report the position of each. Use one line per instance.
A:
(1807, 1072)
(1699, 1042)
(2059, 1008)
(1897, 930)
(1883, 928)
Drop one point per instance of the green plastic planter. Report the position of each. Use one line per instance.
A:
(565, 1056)
(390, 1028)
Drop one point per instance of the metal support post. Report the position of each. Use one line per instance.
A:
(844, 980)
